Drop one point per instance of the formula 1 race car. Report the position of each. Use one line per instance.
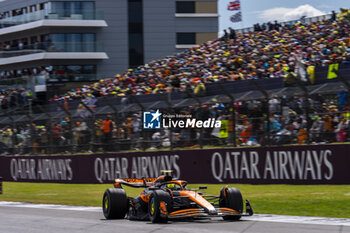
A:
(164, 199)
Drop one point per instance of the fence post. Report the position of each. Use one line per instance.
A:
(0, 185)
(70, 124)
(168, 102)
(233, 133)
(14, 126)
(49, 129)
(307, 103)
(263, 91)
(93, 122)
(201, 129)
(116, 116)
(142, 129)
(29, 115)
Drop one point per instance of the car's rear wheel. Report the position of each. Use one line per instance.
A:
(231, 198)
(159, 206)
(115, 203)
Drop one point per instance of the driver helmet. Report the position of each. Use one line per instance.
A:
(171, 186)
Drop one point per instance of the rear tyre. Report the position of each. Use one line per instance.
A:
(159, 206)
(115, 203)
(231, 198)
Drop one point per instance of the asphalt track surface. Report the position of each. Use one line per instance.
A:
(16, 219)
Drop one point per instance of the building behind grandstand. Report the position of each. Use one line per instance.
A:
(49, 46)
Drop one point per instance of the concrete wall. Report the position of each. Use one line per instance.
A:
(160, 28)
(159, 25)
(114, 37)
(196, 25)
(207, 7)
(202, 37)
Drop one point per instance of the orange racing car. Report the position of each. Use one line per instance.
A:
(164, 198)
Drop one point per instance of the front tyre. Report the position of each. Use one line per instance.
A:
(159, 206)
(115, 203)
(231, 198)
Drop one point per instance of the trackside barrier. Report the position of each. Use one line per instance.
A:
(314, 164)
(0, 185)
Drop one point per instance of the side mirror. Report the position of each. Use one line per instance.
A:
(203, 187)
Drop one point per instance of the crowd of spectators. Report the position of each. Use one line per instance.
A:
(22, 73)
(327, 121)
(271, 52)
(16, 97)
(23, 47)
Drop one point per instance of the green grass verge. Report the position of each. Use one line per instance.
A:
(305, 200)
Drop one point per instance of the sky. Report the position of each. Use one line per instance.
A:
(259, 11)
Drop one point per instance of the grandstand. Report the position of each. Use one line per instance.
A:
(272, 87)
(251, 55)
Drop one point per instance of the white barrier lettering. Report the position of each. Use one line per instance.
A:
(277, 165)
(41, 169)
(108, 169)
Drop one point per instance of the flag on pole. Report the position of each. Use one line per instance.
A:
(234, 5)
(236, 17)
(333, 68)
(300, 68)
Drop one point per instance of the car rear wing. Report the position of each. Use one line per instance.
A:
(135, 183)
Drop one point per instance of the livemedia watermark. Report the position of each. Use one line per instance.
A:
(157, 120)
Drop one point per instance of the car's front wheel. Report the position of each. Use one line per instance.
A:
(115, 203)
(159, 206)
(231, 198)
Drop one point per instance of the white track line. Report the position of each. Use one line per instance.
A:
(49, 206)
(299, 219)
(255, 217)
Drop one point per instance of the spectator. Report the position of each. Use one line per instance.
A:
(226, 35)
(334, 16)
(200, 89)
(232, 34)
(342, 99)
(344, 14)
(107, 133)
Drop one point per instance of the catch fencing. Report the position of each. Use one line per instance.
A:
(245, 109)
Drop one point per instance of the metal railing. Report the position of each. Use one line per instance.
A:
(51, 47)
(30, 81)
(306, 20)
(77, 135)
(58, 14)
(34, 129)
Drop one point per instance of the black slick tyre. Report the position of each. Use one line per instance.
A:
(115, 203)
(157, 212)
(231, 198)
